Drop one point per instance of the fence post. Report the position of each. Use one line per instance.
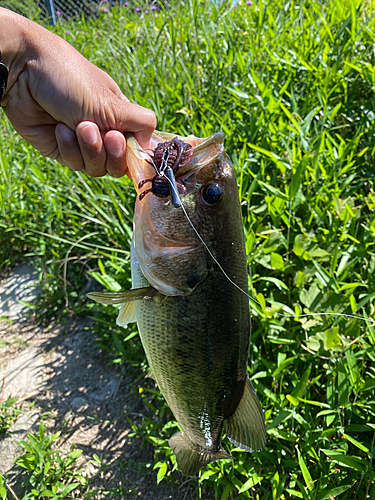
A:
(51, 11)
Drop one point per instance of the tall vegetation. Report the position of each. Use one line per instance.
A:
(291, 83)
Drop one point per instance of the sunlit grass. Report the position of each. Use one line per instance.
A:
(292, 86)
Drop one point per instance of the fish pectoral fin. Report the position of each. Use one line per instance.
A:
(113, 298)
(151, 375)
(246, 428)
(127, 314)
(190, 457)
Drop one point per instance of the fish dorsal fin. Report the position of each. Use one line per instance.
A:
(113, 298)
(246, 428)
(127, 314)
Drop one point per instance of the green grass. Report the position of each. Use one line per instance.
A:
(292, 86)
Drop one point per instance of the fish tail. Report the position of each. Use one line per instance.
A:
(190, 457)
(246, 428)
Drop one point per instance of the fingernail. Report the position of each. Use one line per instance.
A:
(115, 147)
(90, 135)
(65, 133)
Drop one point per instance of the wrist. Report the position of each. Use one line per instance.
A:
(14, 45)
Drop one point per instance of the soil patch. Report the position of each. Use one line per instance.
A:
(77, 390)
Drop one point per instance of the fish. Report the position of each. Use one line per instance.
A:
(189, 299)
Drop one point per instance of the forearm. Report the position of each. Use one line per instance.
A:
(22, 43)
(13, 43)
(63, 105)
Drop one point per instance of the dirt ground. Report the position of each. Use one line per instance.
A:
(88, 399)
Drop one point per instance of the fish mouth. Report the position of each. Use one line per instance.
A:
(170, 254)
(205, 150)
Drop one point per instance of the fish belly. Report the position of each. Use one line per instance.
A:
(197, 347)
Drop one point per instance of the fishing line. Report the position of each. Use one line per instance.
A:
(249, 296)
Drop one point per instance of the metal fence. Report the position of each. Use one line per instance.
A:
(51, 10)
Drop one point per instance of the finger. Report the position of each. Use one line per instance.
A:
(136, 119)
(92, 149)
(69, 151)
(115, 146)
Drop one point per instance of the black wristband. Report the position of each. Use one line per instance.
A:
(3, 78)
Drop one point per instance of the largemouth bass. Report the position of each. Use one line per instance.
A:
(189, 302)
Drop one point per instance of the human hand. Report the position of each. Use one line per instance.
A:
(64, 106)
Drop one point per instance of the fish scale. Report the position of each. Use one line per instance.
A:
(194, 322)
(196, 363)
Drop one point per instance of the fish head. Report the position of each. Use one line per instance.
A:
(175, 246)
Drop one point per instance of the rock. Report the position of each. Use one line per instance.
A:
(20, 285)
(9, 447)
(109, 391)
(79, 403)
(22, 374)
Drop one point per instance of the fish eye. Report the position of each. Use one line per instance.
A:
(212, 194)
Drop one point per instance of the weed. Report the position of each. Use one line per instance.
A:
(50, 475)
(3, 491)
(291, 85)
(9, 413)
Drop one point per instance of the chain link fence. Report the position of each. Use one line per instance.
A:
(50, 10)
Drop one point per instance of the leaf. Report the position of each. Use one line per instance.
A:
(250, 241)
(305, 472)
(301, 243)
(342, 385)
(353, 303)
(207, 474)
(301, 278)
(301, 386)
(228, 490)
(287, 362)
(273, 191)
(295, 493)
(311, 297)
(314, 403)
(70, 487)
(369, 384)
(119, 344)
(47, 466)
(316, 342)
(332, 337)
(280, 284)
(353, 368)
(329, 493)
(238, 93)
(297, 176)
(106, 280)
(284, 415)
(253, 481)
(277, 261)
(359, 464)
(280, 340)
(292, 399)
(356, 443)
(275, 485)
(350, 286)
(275, 158)
(162, 472)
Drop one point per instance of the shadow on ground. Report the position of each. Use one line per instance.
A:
(80, 393)
(76, 390)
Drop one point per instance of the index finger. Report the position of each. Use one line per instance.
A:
(140, 121)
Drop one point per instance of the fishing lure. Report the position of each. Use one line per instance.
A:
(167, 158)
